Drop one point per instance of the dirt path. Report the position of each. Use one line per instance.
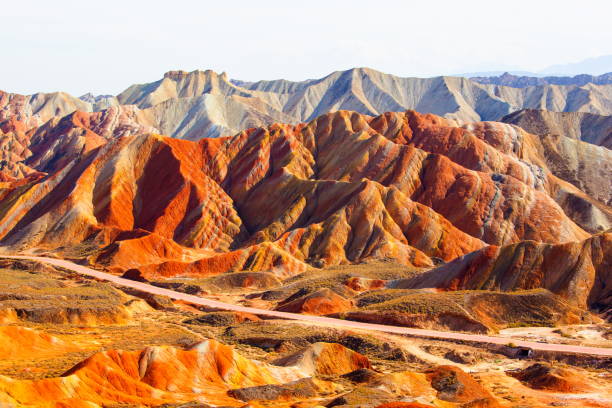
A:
(328, 321)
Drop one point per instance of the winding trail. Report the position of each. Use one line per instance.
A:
(327, 321)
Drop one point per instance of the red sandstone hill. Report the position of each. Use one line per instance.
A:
(343, 188)
(578, 271)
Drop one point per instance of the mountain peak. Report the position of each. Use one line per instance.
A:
(178, 75)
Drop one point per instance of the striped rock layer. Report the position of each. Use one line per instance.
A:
(340, 189)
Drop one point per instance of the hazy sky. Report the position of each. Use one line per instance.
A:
(104, 46)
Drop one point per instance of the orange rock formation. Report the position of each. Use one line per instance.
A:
(343, 188)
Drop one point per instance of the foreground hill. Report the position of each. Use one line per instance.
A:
(210, 373)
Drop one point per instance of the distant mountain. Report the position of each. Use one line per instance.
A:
(196, 104)
(496, 73)
(592, 66)
(191, 105)
(99, 102)
(508, 79)
(91, 98)
(38, 108)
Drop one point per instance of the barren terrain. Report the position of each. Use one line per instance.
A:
(400, 368)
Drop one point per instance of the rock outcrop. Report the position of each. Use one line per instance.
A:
(454, 385)
(325, 359)
(321, 302)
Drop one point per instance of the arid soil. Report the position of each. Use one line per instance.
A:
(162, 352)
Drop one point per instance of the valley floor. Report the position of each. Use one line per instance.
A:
(52, 330)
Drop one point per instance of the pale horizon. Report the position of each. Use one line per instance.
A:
(72, 47)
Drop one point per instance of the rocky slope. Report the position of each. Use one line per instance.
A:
(585, 166)
(342, 188)
(588, 127)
